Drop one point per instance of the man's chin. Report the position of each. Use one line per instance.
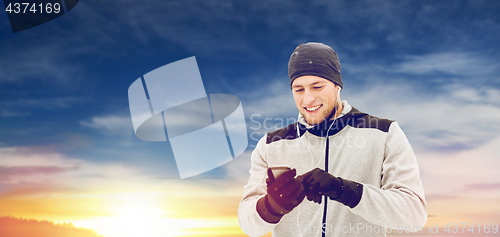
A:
(313, 121)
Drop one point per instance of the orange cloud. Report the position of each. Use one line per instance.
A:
(14, 227)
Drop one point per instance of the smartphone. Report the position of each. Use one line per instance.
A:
(279, 170)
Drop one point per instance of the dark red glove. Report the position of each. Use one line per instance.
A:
(283, 195)
(318, 182)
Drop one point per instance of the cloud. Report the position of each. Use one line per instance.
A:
(441, 121)
(23, 227)
(271, 103)
(454, 63)
(446, 67)
(474, 187)
(237, 170)
(434, 196)
(7, 172)
(110, 123)
(43, 63)
(271, 100)
(40, 170)
(196, 26)
(7, 113)
(24, 107)
(435, 111)
(479, 94)
(461, 173)
(34, 156)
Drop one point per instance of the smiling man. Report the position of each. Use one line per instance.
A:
(358, 172)
(314, 98)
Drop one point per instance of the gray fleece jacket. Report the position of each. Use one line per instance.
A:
(368, 150)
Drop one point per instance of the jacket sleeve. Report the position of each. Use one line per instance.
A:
(399, 201)
(250, 221)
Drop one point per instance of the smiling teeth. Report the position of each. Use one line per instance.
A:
(313, 108)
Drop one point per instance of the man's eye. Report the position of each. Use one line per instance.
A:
(318, 87)
(298, 90)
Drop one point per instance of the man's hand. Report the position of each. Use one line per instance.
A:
(318, 182)
(284, 193)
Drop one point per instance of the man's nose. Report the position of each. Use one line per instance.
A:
(309, 97)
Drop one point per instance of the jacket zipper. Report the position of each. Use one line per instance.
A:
(323, 225)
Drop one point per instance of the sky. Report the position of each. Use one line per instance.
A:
(68, 152)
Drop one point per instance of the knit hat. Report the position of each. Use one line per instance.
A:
(315, 59)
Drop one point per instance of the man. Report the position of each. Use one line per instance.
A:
(358, 172)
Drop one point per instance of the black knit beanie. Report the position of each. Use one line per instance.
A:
(315, 59)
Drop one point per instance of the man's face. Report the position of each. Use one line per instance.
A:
(315, 97)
